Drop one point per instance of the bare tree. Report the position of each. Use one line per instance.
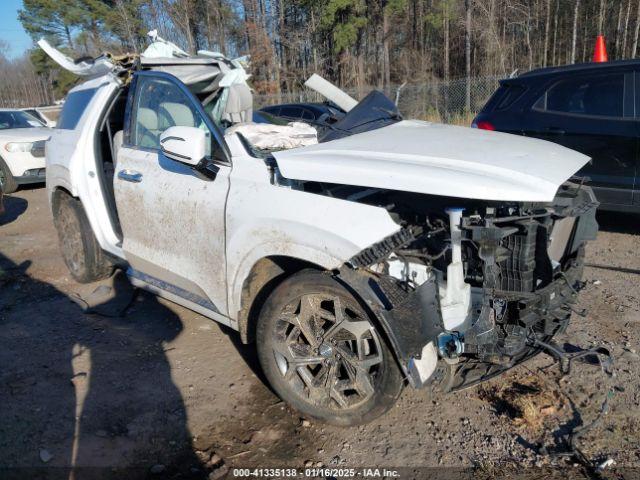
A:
(467, 55)
(626, 30)
(574, 39)
(619, 30)
(603, 7)
(547, 22)
(635, 33)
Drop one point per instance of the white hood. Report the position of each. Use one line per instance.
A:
(25, 134)
(437, 159)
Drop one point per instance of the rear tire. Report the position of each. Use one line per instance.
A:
(80, 250)
(7, 180)
(322, 353)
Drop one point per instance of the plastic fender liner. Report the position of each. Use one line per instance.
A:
(409, 319)
(578, 201)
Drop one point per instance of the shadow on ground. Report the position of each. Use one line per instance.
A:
(617, 222)
(87, 393)
(13, 208)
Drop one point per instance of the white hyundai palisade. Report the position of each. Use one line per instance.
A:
(385, 252)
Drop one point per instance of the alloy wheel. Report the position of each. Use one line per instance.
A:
(328, 351)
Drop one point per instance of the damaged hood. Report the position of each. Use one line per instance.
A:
(436, 159)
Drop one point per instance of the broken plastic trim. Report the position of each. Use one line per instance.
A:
(410, 320)
(379, 251)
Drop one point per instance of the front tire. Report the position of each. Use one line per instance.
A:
(7, 180)
(80, 250)
(323, 355)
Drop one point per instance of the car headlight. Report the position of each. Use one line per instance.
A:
(38, 148)
(14, 147)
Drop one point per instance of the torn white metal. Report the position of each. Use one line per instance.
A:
(100, 66)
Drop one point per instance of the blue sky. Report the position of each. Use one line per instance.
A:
(10, 28)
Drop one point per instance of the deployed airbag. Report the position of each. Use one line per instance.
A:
(266, 136)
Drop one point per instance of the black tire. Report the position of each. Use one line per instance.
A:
(80, 250)
(7, 180)
(357, 379)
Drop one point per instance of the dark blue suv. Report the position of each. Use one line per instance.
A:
(591, 108)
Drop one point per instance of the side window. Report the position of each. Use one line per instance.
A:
(290, 112)
(74, 107)
(308, 115)
(272, 110)
(601, 96)
(512, 93)
(158, 105)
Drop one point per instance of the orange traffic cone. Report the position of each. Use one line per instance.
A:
(600, 52)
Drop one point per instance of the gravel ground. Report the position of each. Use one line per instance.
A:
(163, 392)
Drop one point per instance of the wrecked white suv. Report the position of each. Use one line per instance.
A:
(389, 251)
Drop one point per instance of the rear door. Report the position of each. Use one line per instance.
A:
(593, 114)
(172, 219)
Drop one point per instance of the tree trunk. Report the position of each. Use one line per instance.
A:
(626, 30)
(467, 56)
(555, 34)
(547, 22)
(445, 49)
(576, 11)
(528, 38)
(603, 7)
(385, 50)
(635, 34)
(446, 67)
(619, 30)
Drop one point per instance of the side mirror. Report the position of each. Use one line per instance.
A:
(184, 144)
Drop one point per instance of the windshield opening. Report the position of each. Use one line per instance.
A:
(18, 119)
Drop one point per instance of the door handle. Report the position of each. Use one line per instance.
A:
(130, 176)
(555, 131)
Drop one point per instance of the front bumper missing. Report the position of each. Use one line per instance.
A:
(411, 320)
(511, 315)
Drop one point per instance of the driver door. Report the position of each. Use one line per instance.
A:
(172, 218)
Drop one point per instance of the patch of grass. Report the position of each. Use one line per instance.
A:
(527, 403)
(460, 119)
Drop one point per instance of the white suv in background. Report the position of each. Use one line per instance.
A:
(390, 251)
(22, 139)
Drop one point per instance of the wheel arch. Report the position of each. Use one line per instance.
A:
(269, 272)
(263, 277)
(56, 195)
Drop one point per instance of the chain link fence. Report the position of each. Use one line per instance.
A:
(437, 101)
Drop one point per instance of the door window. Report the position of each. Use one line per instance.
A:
(290, 112)
(74, 107)
(601, 96)
(308, 115)
(160, 104)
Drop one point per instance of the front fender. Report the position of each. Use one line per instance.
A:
(272, 249)
(267, 220)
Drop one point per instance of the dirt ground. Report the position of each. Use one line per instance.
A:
(163, 392)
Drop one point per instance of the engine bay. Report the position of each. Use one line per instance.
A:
(474, 283)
